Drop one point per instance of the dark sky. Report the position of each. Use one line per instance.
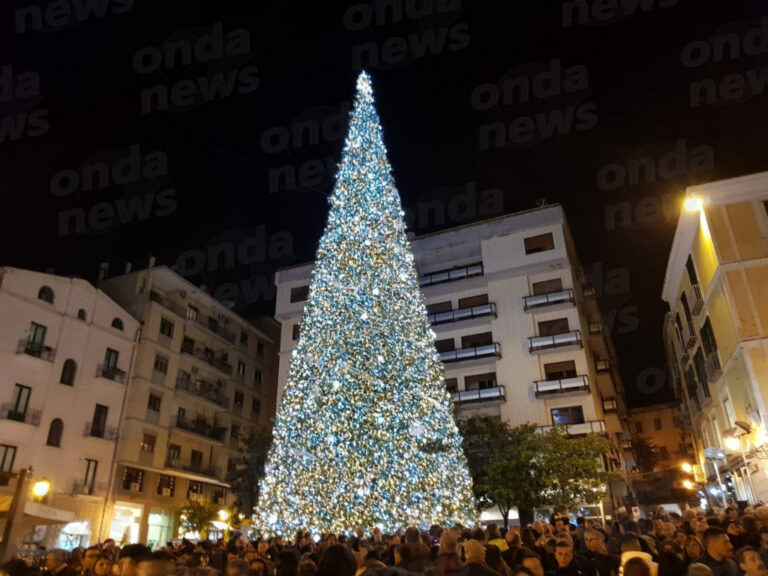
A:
(133, 128)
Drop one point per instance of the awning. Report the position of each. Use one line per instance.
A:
(40, 513)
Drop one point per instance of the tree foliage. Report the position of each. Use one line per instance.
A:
(197, 517)
(524, 468)
(248, 471)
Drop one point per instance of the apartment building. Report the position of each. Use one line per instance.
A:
(65, 351)
(202, 379)
(716, 334)
(516, 322)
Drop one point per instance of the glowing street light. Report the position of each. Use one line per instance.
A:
(732, 443)
(688, 485)
(41, 488)
(223, 515)
(693, 204)
(687, 468)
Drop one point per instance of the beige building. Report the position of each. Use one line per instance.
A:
(716, 332)
(516, 323)
(65, 354)
(202, 379)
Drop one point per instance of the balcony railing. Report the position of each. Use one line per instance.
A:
(481, 395)
(168, 304)
(176, 464)
(106, 433)
(582, 428)
(549, 299)
(537, 343)
(89, 489)
(111, 373)
(562, 385)
(36, 349)
(451, 275)
(609, 405)
(462, 314)
(9, 412)
(714, 368)
(201, 428)
(210, 323)
(203, 389)
(200, 354)
(698, 300)
(483, 351)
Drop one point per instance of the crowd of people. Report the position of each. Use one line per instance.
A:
(732, 542)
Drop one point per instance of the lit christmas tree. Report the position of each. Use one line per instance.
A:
(365, 434)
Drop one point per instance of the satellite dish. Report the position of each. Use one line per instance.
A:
(714, 453)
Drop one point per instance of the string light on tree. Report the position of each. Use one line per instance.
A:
(365, 395)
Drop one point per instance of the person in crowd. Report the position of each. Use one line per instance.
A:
(699, 569)
(474, 552)
(637, 567)
(495, 561)
(495, 539)
(103, 565)
(337, 560)
(717, 553)
(748, 560)
(57, 564)
(447, 562)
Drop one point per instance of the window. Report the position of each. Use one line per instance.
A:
(299, 294)
(148, 443)
(117, 323)
(560, 370)
(260, 348)
(700, 366)
(192, 312)
(235, 432)
(730, 416)
(547, 286)
(196, 460)
(188, 345)
(639, 427)
(445, 345)
(255, 406)
(161, 364)
(21, 396)
(257, 377)
(480, 381)
(90, 474)
(477, 340)
(35, 339)
(452, 384)
(241, 368)
(679, 330)
(472, 301)
(295, 333)
(553, 327)
(239, 398)
(81, 315)
(194, 487)
(687, 311)
(540, 243)
(244, 339)
(657, 424)
(691, 270)
(154, 402)
(110, 359)
(231, 464)
(133, 479)
(708, 337)
(7, 458)
(166, 327)
(209, 355)
(174, 453)
(99, 424)
(54, 433)
(45, 294)
(438, 307)
(569, 415)
(166, 485)
(68, 372)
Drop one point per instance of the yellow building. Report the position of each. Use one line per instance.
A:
(716, 333)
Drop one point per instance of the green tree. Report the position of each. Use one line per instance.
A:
(248, 471)
(197, 517)
(524, 468)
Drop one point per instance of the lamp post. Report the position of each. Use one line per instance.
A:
(732, 440)
(712, 455)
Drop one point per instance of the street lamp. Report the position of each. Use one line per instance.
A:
(732, 440)
(223, 515)
(688, 485)
(41, 488)
(713, 454)
(687, 468)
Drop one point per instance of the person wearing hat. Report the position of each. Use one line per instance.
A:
(475, 565)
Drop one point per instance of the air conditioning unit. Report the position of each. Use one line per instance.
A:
(165, 491)
(135, 487)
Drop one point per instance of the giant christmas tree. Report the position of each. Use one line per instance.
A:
(365, 434)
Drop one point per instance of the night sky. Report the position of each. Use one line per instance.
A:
(205, 133)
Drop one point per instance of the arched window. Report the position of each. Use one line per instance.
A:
(68, 372)
(46, 294)
(81, 315)
(54, 432)
(117, 323)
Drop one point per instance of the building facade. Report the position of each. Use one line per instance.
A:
(516, 323)
(202, 380)
(716, 286)
(65, 354)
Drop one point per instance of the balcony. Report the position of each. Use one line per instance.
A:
(451, 275)
(714, 368)
(201, 428)
(79, 488)
(111, 373)
(36, 349)
(9, 412)
(212, 325)
(537, 301)
(582, 428)
(609, 405)
(176, 464)
(473, 353)
(480, 395)
(602, 366)
(540, 343)
(105, 433)
(177, 309)
(692, 340)
(462, 314)
(203, 389)
(200, 354)
(561, 386)
(698, 300)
